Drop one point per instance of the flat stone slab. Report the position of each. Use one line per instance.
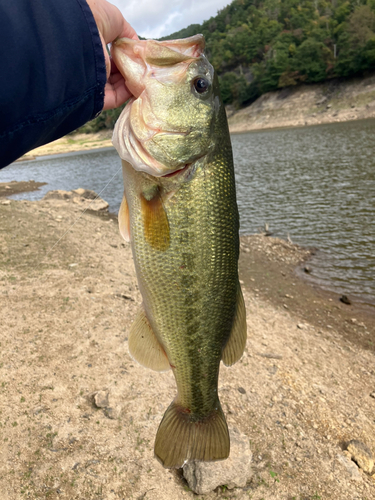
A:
(203, 477)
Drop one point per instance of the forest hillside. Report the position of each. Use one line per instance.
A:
(258, 46)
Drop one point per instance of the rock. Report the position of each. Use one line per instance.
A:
(204, 477)
(124, 296)
(352, 469)
(307, 269)
(101, 399)
(372, 394)
(6, 202)
(362, 455)
(112, 413)
(58, 194)
(98, 205)
(270, 355)
(344, 299)
(322, 100)
(86, 198)
(88, 194)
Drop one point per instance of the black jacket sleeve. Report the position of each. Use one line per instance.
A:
(52, 72)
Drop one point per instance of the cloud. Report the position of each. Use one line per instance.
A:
(156, 18)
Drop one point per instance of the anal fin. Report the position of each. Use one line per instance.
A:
(144, 347)
(237, 340)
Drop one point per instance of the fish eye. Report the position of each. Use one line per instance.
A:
(201, 85)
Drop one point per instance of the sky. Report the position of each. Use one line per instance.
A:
(157, 18)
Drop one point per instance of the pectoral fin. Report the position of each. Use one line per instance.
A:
(124, 220)
(155, 220)
(144, 347)
(237, 340)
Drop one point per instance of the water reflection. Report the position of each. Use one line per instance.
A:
(315, 184)
(99, 171)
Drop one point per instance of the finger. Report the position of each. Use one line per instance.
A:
(114, 25)
(115, 78)
(114, 68)
(128, 31)
(115, 94)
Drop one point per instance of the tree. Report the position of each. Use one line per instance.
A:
(356, 42)
(312, 59)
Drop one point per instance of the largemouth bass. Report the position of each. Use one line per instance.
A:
(180, 213)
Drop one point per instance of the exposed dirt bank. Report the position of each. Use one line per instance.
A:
(14, 187)
(71, 144)
(329, 102)
(68, 292)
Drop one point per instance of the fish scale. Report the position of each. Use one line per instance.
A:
(184, 236)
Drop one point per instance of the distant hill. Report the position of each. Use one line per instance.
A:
(257, 46)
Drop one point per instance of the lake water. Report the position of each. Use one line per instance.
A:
(315, 185)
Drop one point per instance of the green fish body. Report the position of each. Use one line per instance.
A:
(180, 213)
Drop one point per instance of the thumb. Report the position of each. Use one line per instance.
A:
(111, 25)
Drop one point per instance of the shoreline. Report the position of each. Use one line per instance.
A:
(306, 286)
(365, 308)
(59, 147)
(72, 143)
(334, 101)
(262, 259)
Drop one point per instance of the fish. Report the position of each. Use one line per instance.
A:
(179, 212)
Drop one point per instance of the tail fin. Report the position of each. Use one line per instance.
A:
(181, 437)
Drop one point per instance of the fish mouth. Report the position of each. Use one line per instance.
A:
(142, 143)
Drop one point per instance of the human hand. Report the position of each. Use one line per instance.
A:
(111, 24)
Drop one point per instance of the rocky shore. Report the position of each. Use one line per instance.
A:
(78, 416)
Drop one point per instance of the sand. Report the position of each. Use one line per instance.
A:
(78, 416)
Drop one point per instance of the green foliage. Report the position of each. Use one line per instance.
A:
(356, 40)
(257, 46)
(106, 120)
(279, 43)
(312, 59)
(274, 476)
(191, 30)
(232, 86)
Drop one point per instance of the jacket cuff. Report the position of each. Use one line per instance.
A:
(100, 69)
